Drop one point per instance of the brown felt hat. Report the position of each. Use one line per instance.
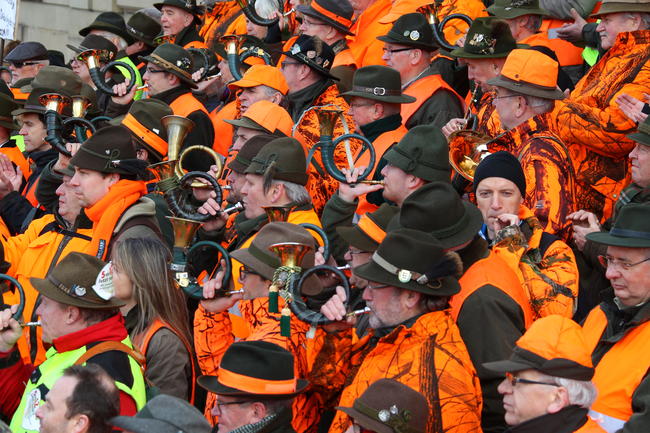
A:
(260, 259)
(388, 406)
(413, 260)
(248, 151)
(616, 6)
(79, 280)
(281, 159)
(379, 83)
(370, 230)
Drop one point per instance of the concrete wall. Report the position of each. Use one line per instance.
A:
(56, 23)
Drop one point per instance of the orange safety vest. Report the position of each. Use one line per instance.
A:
(494, 271)
(17, 157)
(619, 372)
(381, 145)
(422, 90)
(186, 104)
(223, 131)
(156, 326)
(567, 53)
(19, 95)
(344, 58)
(30, 193)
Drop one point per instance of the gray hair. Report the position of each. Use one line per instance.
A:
(298, 194)
(540, 105)
(645, 19)
(581, 392)
(119, 41)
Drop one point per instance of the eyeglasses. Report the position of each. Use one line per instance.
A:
(19, 65)
(228, 403)
(606, 261)
(285, 64)
(396, 50)
(379, 286)
(156, 71)
(312, 23)
(245, 272)
(515, 380)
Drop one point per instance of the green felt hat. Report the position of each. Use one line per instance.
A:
(379, 83)
(487, 38)
(109, 150)
(370, 230)
(186, 5)
(80, 280)
(249, 150)
(422, 152)
(616, 6)
(281, 159)
(110, 22)
(411, 30)
(509, 9)
(174, 59)
(413, 260)
(143, 28)
(631, 228)
(642, 135)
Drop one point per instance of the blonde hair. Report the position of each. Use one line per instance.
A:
(146, 262)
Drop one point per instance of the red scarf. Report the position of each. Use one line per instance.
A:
(106, 213)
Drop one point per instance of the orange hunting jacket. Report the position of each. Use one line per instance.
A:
(594, 129)
(550, 179)
(429, 356)
(364, 45)
(551, 279)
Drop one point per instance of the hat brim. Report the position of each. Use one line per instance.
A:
(314, 66)
(508, 365)
(76, 49)
(244, 256)
(29, 109)
(46, 288)
(212, 384)
(244, 84)
(354, 236)
(365, 421)
(373, 272)
(613, 8)
(98, 25)
(428, 47)
(245, 122)
(310, 12)
(402, 99)
(142, 425)
(197, 18)
(180, 76)
(525, 89)
(640, 138)
(605, 238)
(508, 14)
(471, 223)
(462, 54)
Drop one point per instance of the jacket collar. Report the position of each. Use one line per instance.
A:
(374, 129)
(111, 329)
(168, 96)
(567, 420)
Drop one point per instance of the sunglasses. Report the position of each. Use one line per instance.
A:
(19, 65)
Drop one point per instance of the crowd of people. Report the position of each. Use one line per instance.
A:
(343, 216)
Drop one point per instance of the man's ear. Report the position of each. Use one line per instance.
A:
(72, 314)
(114, 178)
(80, 423)
(560, 400)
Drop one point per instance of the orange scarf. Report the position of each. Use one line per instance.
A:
(107, 212)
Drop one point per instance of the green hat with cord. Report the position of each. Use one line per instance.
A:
(509, 9)
(412, 30)
(281, 159)
(631, 228)
(487, 38)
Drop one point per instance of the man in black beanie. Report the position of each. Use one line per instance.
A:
(545, 264)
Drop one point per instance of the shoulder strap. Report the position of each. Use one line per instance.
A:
(108, 346)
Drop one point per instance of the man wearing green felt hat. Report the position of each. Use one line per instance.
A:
(409, 47)
(81, 320)
(412, 338)
(617, 331)
(180, 20)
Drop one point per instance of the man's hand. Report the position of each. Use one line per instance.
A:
(583, 223)
(211, 207)
(572, 32)
(350, 191)
(210, 287)
(505, 220)
(10, 329)
(202, 194)
(632, 107)
(453, 125)
(123, 97)
(10, 178)
(334, 309)
(63, 161)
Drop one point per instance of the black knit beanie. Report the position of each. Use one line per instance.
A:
(501, 164)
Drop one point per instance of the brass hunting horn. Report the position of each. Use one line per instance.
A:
(54, 104)
(466, 150)
(78, 123)
(327, 120)
(281, 213)
(438, 26)
(248, 7)
(93, 59)
(232, 45)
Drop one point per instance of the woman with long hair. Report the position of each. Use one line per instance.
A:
(155, 313)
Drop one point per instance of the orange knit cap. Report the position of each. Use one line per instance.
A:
(265, 75)
(554, 345)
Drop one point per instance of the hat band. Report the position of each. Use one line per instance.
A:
(331, 15)
(145, 134)
(624, 233)
(137, 33)
(394, 418)
(377, 91)
(75, 291)
(264, 258)
(254, 385)
(403, 275)
(526, 83)
(371, 229)
(170, 66)
(644, 128)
